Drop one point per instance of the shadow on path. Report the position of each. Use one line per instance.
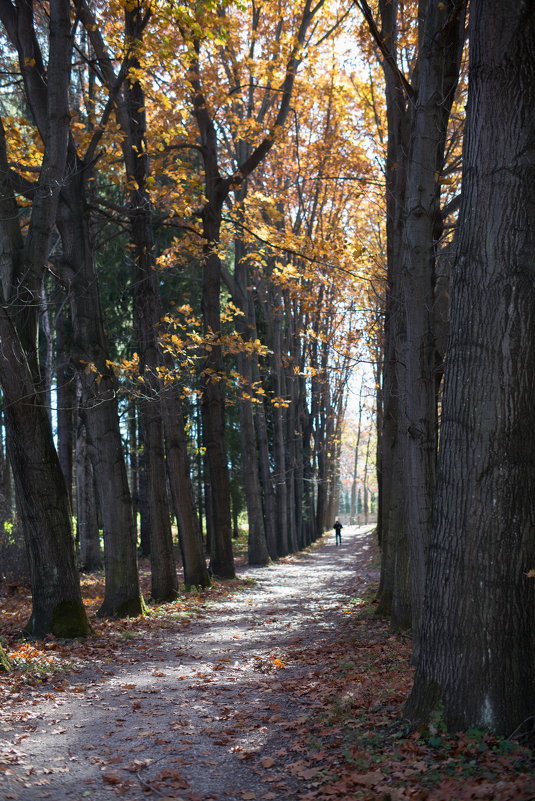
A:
(187, 714)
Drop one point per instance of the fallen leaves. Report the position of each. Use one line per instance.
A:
(323, 724)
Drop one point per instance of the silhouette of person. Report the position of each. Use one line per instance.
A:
(338, 530)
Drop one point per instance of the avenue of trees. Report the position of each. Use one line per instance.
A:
(210, 212)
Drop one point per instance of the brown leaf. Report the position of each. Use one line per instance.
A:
(112, 778)
(368, 779)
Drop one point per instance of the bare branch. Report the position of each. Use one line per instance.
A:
(363, 6)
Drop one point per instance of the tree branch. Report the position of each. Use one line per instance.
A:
(365, 9)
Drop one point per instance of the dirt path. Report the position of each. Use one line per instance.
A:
(201, 713)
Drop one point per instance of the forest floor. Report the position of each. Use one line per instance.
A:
(281, 685)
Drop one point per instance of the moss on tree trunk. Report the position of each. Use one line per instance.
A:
(5, 662)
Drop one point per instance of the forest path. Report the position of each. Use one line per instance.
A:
(203, 713)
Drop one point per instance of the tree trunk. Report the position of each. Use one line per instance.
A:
(147, 315)
(395, 584)
(46, 349)
(279, 417)
(44, 505)
(213, 404)
(195, 572)
(266, 478)
(86, 517)
(6, 489)
(5, 663)
(257, 549)
(143, 507)
(98, 406)
(394, 592)
(66, 397)
(438, 71)
(478, 639)
(365, 483)
(164, 579)
(353, 508)
(133, 461)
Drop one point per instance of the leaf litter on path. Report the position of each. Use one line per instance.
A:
(289, 688)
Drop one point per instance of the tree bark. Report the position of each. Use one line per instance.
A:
(265, 473)
(257, 549)
(5, 662)
(477, 644)
(86, 517)
(44, 505)
(66, 396)
(353, 508)
(394, 592)
(439, 64)
(177, 459)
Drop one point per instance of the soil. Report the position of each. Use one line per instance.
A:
(208, 710)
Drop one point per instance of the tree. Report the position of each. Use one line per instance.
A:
(41, 490)
(147, 309)
(476, 657)
(217, 189)
(159, 411)
(418, 113)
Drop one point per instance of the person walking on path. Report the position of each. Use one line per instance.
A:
(338, 531)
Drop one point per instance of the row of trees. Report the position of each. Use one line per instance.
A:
(180, 269)
(458, 541)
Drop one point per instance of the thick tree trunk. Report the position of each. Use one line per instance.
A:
(5, 662)
(395, 584)
(164, 579)
(44, 505)
(476, 658)
(98, 405)
(438, 71)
